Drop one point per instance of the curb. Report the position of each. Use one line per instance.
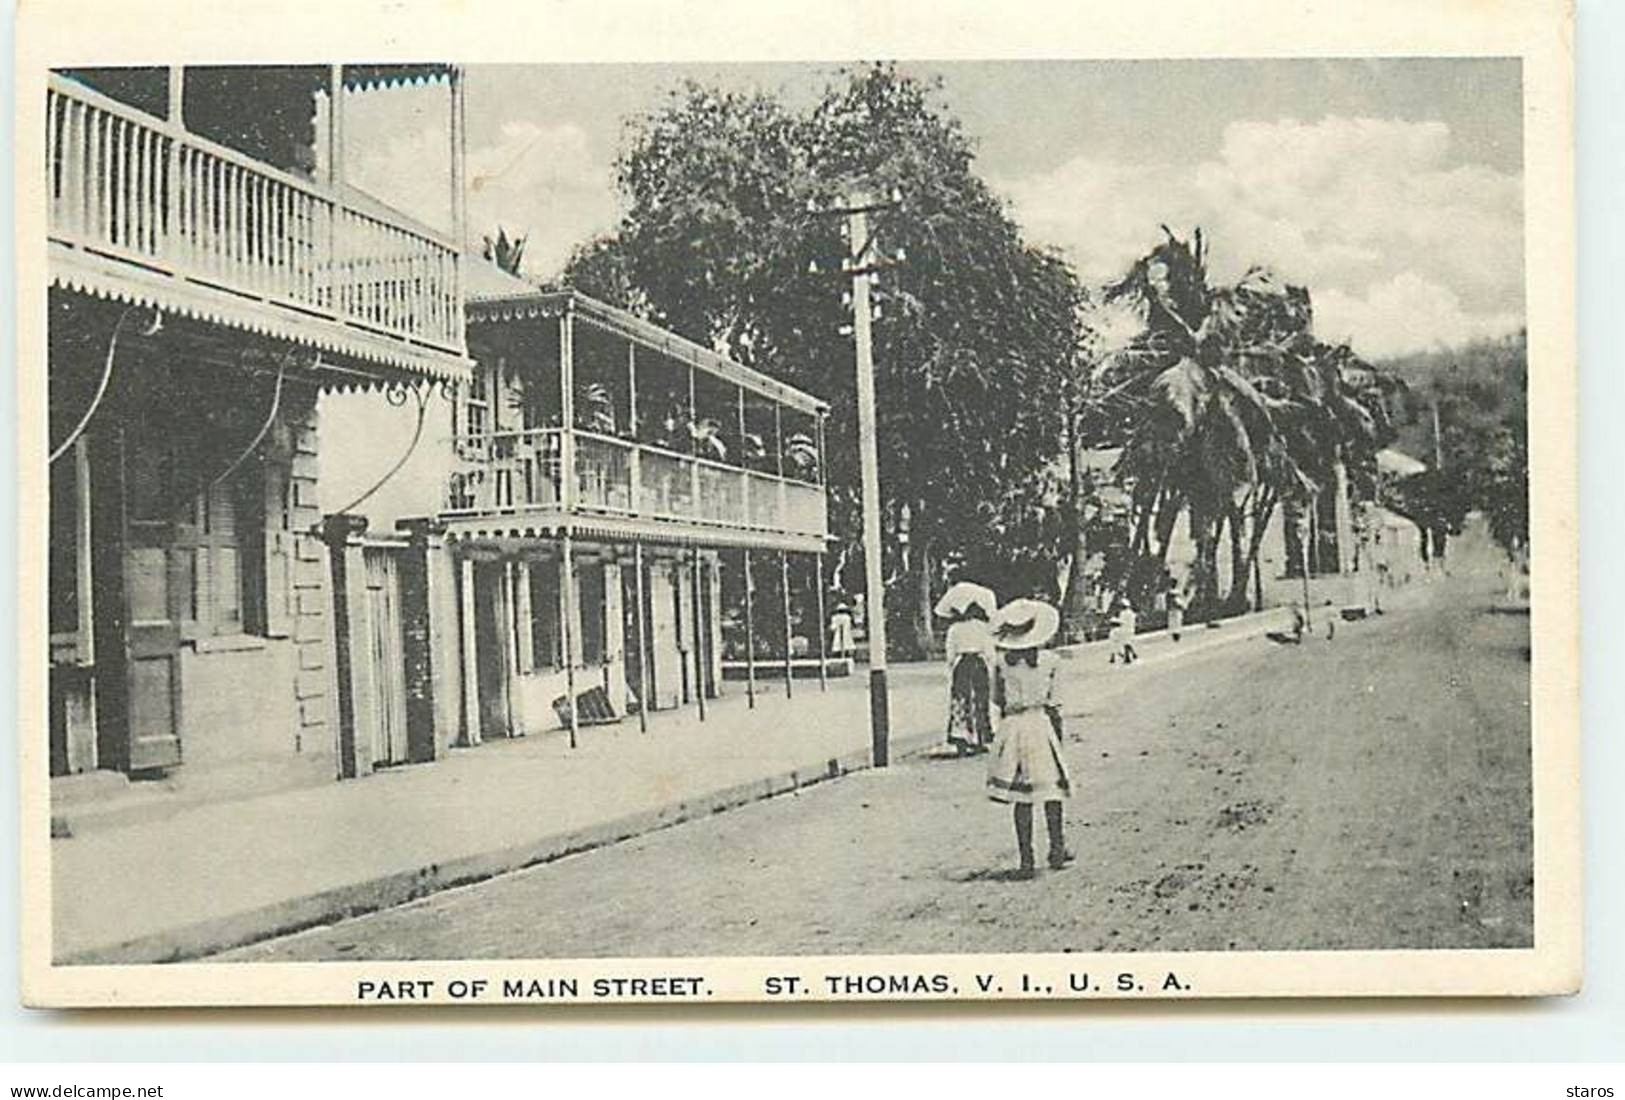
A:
(217, 934)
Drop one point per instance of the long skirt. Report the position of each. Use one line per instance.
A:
(1027, 764)
(970, 724)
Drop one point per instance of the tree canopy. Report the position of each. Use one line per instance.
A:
(973, 327)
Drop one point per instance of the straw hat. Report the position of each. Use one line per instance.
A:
(965, 595)
(1025, 624)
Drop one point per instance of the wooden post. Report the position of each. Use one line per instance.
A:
(693, 467)
(635, 468)
(458, 130)
(335, 181)
(643, 643)
(341, 533)
(781, 489)
(471, 668)
(823, 656)
(874, 613)
(525, 615)
(744, 480)
(567, 409)
(699, 641)
(567, 584)
(750, 633)
(335, 126)
(84, 579)
(170, 234)
(784, 588)
(510, 647)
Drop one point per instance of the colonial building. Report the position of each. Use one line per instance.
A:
(211, 274)
(588, 507)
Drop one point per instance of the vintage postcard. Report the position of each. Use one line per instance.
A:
(697, 503)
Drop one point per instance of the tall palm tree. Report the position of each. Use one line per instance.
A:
(1232, 407)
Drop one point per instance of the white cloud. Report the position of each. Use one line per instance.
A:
(1402, 314)
(544, 182)
(1360, 210)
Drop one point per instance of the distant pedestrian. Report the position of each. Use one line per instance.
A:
(840, 630)
(971, 658)
(1027, 764)
(1299, 622)
(1128, 623)
(1176, 613)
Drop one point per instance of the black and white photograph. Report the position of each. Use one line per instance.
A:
(548, 530)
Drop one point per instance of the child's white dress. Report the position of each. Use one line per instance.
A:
(1026, 764)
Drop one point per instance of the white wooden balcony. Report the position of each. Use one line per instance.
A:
(642, 490)
(145, 211)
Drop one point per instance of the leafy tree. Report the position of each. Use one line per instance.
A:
(717, 241)
(1467, 409)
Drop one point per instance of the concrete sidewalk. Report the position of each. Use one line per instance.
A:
(207, 877)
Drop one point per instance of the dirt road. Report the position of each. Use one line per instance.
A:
(1367, 792)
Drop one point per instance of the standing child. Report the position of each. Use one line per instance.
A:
(1027, 765)
(1130, 622)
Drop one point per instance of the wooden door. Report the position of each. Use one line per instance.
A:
(631, 650)
(158, 566)
(491, 626)
(388, 656)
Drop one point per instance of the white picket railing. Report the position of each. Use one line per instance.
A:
(509, 471)
(128, 185)
(506, 471)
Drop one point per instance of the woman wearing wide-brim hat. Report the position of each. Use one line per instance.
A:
(968, 646)
(1027, 765)
(840, 630)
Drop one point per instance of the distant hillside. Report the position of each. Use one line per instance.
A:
(1478, 384)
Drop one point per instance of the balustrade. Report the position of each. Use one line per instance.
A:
(138, 188)
(511, 471)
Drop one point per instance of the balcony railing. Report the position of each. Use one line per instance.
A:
(124, 184)
(505, 472)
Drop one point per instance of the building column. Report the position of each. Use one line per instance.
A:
(571, 633)
(525, 615)
(821, 629)
(428, 675)
(512, 630)
(694, 621)
(644, 702)
(750, 632)
(352, 671)
(470, 652)
(789, 631)
(1344, 517)
(615, 639)
(713, 642)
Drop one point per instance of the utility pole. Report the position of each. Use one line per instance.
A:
(861, 263)
(1438, 441)
(874, 603)
(1303, 548)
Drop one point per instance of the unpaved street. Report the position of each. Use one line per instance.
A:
(1368, 792)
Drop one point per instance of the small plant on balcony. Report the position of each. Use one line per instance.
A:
(595, 408)
(508, 253)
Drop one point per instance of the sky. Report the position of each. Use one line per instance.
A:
(1391, 188)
